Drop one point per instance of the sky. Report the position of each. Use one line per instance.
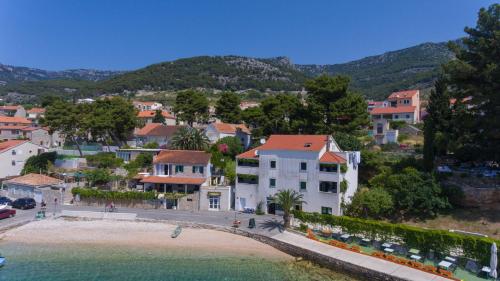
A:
(126, 34)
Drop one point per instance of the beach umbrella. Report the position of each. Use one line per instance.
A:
(494, 261)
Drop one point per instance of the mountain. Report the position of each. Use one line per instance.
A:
(217, 72)
(13, 74)
(377, 76)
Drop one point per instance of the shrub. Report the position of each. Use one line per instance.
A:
(343, 168)
(88, 193)
(403, 137)
(396, 125)
(106, 160)
(303, 227)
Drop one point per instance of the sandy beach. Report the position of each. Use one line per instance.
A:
(138, 234)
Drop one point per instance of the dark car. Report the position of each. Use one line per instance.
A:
(7, 213)
(5, 201)
(24, 203)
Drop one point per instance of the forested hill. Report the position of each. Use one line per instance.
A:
(219, 72)
(377, 76)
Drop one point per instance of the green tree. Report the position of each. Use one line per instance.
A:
(254, 118)
(69, 119)
(230, 171)
(282, 114)
(104, 160)
(347, 142)
(191, 106)
(227, 108)
(187, 138)
(151, 145)
(371, 203)
(159, 118)
(476, 72)
(98, 176)
(225, 150)
(287, 199)
(39, 163)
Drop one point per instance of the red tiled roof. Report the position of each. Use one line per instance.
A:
(295, 142)
(152, 113)
(248, 154)
(173, 180)
(403, 94)
(230, 128)
(35, 180)
(9, 107)
(36, 110)
(182, 157)
(332, 157)
(10, 144)
(157, 129)
(391, 110)
(464, 100)
(20, 120)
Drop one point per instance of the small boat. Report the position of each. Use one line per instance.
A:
(176, 232)
(2, 261)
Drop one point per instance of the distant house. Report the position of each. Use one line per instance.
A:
(248, 104)
(13, 156)
(35, 114)
(39, 187)
(87, 100)
(147, 105)
(155, 132)
(12, 111)
(187, 173)
(129, 154)
(376, 104)
(147, 116)
(217, 131)
(14, 121)
(36, 135)
(400, 106)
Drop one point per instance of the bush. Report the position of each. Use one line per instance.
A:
(151, 145)
(442, 241)
(403, 137)
(396, 125)
(107, 160)
(343, 168)
(303, 227)
(38, 163)
(87, 193)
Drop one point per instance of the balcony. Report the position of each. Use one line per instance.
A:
(247, 170)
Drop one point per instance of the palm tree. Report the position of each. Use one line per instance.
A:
(288, 199)
(188, 138)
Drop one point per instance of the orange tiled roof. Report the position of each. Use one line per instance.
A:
(20, 120)
(227, 128)
(36, 110)
(9, 107)
(332, 157)
(173, 180)
(157, 129)
(295, 142)
(152, 113)
(391, 110)
(248, 154)
(403, 94)
(182, 157)
(35, 180)
(10, 144)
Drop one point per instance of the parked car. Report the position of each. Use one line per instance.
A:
(5, 201)
(7, 213)
(24, 203)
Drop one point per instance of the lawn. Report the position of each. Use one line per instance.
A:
(472, 220)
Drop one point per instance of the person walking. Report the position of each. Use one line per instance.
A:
(55, 206)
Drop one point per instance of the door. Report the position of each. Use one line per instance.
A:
(214, 203)
(243, 203)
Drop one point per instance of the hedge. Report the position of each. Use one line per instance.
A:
(115, 195)
(441, 241)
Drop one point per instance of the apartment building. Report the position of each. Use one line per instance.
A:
(313, 165)
(13, 156)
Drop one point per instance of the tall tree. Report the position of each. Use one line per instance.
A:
(69, 120)
(191, 106)
(332, 107)
(283, 114)
(159, 118)
(187, 138)
(228, 108)
(287, 199)
(476, 72)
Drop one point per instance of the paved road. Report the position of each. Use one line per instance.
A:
(266, 224)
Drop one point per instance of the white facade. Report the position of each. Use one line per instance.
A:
(214, 135)
(12, 159)
(288, 174)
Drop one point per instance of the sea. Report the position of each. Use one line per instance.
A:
(62, 262)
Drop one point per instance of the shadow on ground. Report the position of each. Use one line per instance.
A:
(271, 225)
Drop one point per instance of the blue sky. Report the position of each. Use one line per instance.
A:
(105, 34)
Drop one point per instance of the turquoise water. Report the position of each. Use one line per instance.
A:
(85, 263)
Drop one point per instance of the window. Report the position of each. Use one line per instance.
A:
(326, 210)
(13, 152)
(407, 116)
(248, 162)
(249, 179)
(272, 183)
(166, 170)
(273, 164)
(200, 169)
(396, 116)
(303, 166)
(330, 168)
(13, 163)
(179, 169)
(197, 168)
(303, 186)
(380, 128)
(406, 102)
(328, 186)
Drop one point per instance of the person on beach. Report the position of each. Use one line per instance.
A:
(43, 207)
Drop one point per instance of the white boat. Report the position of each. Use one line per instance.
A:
(2, 261)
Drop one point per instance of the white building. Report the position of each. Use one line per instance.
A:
(147, 105)
(311, 164)
(13, 156)
(217, 131)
